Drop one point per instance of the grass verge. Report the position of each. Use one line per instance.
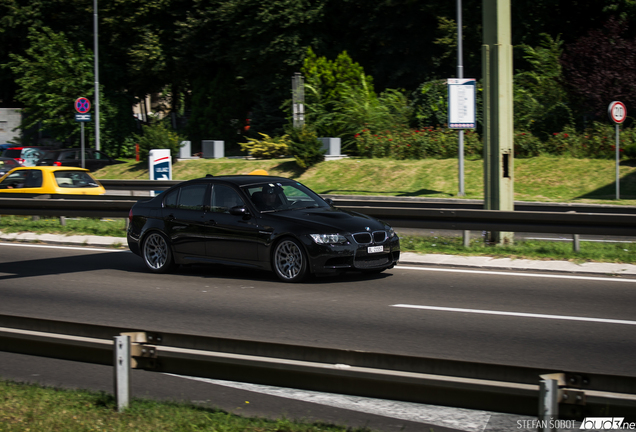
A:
(524, 249)
(29, 407)
(540, 179)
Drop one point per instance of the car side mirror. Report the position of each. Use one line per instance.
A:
(239, 211)
(329, 201)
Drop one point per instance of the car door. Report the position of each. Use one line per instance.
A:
(70, 158)
(229, 237)
(95, 159)
(183, 215)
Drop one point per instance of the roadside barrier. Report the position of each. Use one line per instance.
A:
(470, 385)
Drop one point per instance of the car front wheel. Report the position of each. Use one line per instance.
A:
(290, 261)
(156, 253)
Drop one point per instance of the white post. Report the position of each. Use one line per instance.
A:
(122, 371)
(548, 403)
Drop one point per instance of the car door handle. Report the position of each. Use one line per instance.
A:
(171, 217)
(210, 222)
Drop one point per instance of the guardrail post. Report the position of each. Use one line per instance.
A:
(466, 236)
(63, 220)
(548, 404)
(122, 371)
(576, 240)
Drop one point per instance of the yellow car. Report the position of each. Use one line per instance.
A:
(50, 180)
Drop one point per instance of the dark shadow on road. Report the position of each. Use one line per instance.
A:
(128, 262)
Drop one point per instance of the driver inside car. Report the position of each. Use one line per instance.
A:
(272, 197)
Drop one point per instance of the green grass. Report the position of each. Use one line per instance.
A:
(28, 407)
(114, 227)
(541, 179)
(526, 249)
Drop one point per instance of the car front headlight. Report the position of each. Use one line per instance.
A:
(391, 232)
(328, 238)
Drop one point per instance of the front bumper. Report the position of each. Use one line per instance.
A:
(353, 256)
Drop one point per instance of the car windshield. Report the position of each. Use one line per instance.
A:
(75, 179)
(268, 197)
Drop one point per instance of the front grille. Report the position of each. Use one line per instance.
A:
(371, 262)
(379, 236)
(367, 238)
(362, 238)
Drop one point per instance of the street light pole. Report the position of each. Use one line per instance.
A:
(96, 55)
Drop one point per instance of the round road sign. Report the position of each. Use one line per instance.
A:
(82, 105)
(617, 112)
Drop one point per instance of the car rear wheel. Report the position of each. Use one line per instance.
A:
(156, 253)
(290, 261)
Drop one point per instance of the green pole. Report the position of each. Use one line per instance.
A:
(498, 113)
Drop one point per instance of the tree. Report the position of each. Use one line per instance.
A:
(52, 74)
(540, 101)
(601, 67)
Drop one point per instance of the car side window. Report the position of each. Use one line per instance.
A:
(68, 156)
(224, 198)
(192, 197)
(33, 179)
(171, 199)
(14, 180)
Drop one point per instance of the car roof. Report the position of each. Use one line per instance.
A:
(52, 168)
(242, 180)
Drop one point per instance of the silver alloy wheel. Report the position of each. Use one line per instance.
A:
(288, 259)
(156, 253)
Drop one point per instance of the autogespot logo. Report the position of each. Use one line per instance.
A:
(607, 423)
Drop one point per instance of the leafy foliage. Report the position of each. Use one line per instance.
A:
(305, 146)
(540, 101)
(52, 74)
(267, 147)
(601, 67)
(158, 135)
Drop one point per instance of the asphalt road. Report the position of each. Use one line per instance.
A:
(573, 324)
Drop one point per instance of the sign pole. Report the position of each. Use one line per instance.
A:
(618, 156)
(82, 145)
(617, 113)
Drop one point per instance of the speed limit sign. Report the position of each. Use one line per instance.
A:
(617, 112)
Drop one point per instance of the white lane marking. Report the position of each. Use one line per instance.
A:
(455, 418)
(538, 275)
(105, 248)
(517, 314)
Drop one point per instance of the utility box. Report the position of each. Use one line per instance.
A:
(213, 149)
(185, 151)
(331, 145)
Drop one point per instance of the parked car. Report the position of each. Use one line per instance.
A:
(26, 155)
(93, 159)
(7, 164)
(50, 180)
(270, 223)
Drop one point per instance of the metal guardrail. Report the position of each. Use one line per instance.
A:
(459, 219)
(498, 388)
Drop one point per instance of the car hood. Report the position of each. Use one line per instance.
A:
(330, 219)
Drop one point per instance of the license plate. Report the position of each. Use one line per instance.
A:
(375, 249)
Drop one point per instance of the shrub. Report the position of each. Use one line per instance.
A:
(416, 144)
(158, 136)
(267, 148)
(527, 145)
(305, 146)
